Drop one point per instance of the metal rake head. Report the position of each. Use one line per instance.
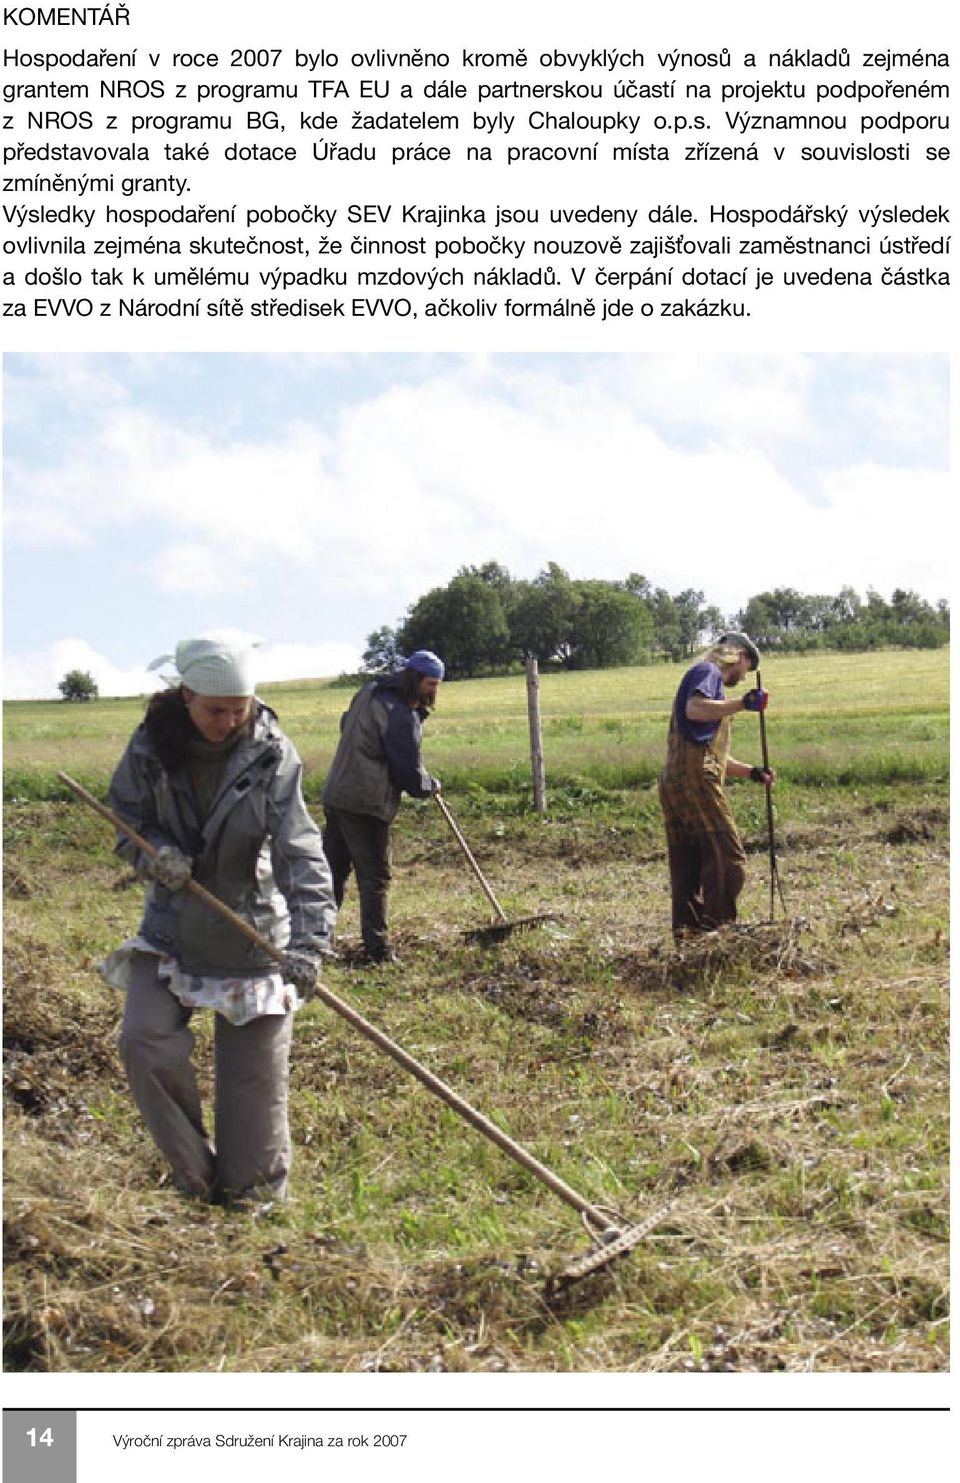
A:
(498, 931)
(614, 1242)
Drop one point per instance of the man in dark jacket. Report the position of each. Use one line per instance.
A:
(377, 760)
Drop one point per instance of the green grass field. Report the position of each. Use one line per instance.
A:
(783, 1086)
(845, 718)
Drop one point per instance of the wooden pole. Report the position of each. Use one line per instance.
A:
(536, 735)
(441, 803)
(771, 841)
(599, 1218)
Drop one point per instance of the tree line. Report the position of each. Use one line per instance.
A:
(484, 621)
(786, 620)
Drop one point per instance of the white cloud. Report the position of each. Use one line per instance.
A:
(419, 480)
(882, 526)
(666, 465)
(306, 661)
(905, 403)
(569, 476)
(34, 524)
(752, 400)
(192, 567)
(247, 497)
(521, 464)
(65, 381)
(35, 675)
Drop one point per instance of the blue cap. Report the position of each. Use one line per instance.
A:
(425, 663)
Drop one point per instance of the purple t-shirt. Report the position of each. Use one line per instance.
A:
(700, 679)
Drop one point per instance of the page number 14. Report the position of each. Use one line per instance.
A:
(45, 1439)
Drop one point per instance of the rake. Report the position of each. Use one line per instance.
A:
(611, 1235)
(774, 871)
(503, 926)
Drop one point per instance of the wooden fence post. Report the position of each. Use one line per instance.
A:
(536, 735)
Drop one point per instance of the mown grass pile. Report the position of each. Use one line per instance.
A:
(783, 1084)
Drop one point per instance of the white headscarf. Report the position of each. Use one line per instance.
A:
(212, 666)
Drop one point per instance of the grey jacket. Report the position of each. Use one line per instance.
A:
(258, 850)
(379, 753)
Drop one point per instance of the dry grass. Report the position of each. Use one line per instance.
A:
(783, 1084)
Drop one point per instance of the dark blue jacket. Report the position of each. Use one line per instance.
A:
(378, 757)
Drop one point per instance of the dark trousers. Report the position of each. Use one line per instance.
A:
(361, 843)
(706, 877)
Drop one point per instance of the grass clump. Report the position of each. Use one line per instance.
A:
(781, 1086)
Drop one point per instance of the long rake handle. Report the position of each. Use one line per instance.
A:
(774, 872)
(442, 806)
(433, 1083)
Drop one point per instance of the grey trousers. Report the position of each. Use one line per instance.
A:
(251, 1149)
(361, 843)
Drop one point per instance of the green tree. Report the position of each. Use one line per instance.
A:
(541, 613)
(692, 618)
(463, 622)
(908, 620)
(495, 575)
(711, 622)
(382, 651)
(781, 619)
(78, 684)
(607, 627)
(640, 587)
(667, 635)
(789, 620)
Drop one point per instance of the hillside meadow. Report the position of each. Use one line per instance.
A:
(846, 718)
(779, 1089)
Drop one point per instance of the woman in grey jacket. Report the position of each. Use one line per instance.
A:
(211, 781)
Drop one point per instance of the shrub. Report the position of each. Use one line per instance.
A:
(78, 684)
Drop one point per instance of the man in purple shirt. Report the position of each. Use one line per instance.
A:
(705, 851)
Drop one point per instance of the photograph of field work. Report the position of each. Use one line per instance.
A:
(771, 1097)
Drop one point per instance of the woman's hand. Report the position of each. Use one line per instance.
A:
(302, 970)
(170, 868)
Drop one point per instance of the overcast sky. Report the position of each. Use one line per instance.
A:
(310, 499)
